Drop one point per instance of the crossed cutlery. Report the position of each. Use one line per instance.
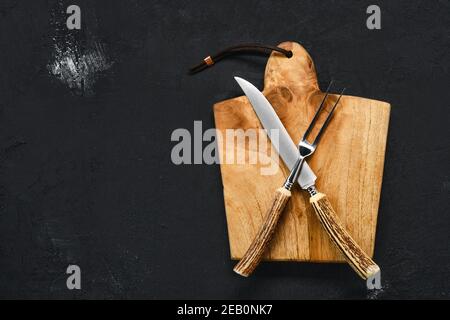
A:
(294, 157)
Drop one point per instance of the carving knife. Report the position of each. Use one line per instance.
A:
(355, 256)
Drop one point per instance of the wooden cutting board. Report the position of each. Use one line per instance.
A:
(348, 164)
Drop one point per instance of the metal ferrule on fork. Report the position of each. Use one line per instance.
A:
(293, 175)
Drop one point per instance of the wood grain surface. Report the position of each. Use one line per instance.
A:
(348, 163)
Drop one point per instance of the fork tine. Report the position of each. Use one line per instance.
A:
(327, 120)
(316, 115)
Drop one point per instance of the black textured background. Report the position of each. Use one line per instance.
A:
(87, 178)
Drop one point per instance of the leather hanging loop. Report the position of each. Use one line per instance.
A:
(242, 48)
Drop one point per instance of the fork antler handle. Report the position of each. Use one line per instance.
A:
(254, 253)
(355, 256)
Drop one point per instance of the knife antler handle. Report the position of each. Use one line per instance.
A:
(355, 256)
(254, 253)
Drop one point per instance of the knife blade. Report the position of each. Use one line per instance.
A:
(270, 121)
